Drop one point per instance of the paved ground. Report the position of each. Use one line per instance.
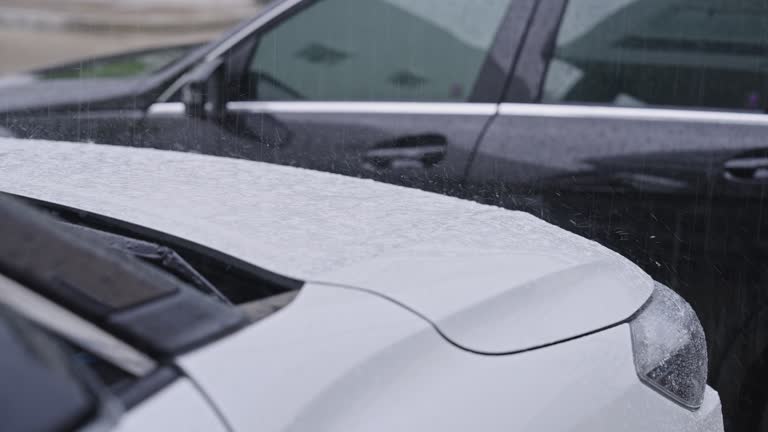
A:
(38, 33)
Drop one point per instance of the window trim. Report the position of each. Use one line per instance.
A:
(73, 328)
(176, 109)
(608, 112)
(395, 108)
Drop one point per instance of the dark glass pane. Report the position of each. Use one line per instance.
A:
(368, 50)
(684, 53)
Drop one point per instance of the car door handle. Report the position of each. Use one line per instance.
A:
(747, 169)
(414, 151)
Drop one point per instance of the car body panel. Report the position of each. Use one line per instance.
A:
(180, 406)
(304, 360)
(361, 142)
(424, 144)
(521, 299)
(377, 367)
(257, 212)
(358, 139)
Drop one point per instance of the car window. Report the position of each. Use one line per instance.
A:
(681, 53)
(41, 389)
(366, 50)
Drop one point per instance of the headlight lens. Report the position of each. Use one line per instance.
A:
(670, 348)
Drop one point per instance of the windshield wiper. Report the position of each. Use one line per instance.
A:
(162, 257)
(206, 269)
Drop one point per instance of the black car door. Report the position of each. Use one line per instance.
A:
(396, 90)
(639, 124)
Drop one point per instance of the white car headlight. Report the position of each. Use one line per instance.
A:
(670, 348)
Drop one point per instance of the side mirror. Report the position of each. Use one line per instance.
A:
(203, 95)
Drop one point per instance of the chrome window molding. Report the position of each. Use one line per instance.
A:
(407, 108)
(623, 113)
(163, 109)
(505, 109)
(175, 109)
(75, 329)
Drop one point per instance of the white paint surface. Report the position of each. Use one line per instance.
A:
(492, 280)
(341, 360)
(178, 407)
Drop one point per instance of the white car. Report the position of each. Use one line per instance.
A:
(213, 294)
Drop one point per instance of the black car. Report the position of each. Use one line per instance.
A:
(637, 123)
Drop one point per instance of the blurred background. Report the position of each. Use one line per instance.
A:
(42, 33)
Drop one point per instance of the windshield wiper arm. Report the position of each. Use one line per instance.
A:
(161, 256)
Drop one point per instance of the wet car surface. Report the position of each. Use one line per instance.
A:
(638, 124)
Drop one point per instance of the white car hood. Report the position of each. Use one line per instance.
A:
(489, 279)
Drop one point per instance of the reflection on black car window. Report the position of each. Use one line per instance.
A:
(386, 50)
(685, 53)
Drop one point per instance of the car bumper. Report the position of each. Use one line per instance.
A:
(343, 360)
